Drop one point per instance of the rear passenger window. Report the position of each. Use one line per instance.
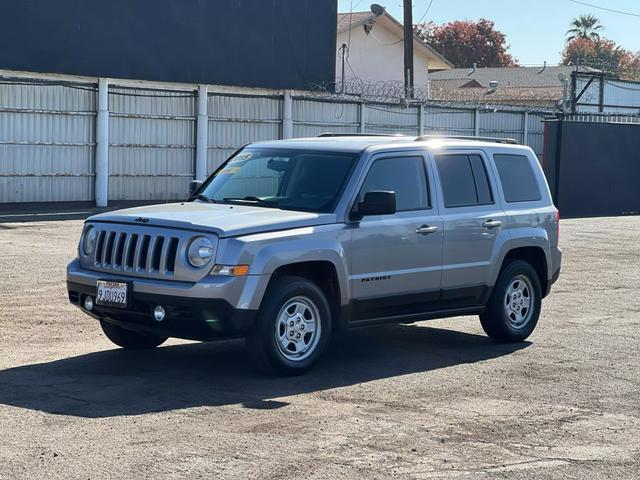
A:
(405, 176)
(518, 180)
(464, 180)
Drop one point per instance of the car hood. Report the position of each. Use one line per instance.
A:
(223, 220)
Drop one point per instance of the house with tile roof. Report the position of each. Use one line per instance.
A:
(374, 50)
(540, 86)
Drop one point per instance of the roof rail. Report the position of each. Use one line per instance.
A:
(331, 134)
(511, 141)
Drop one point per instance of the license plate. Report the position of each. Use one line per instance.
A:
(112, 294)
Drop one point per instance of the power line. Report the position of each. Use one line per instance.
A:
(356, 5)
(605, 8)
(425, 13)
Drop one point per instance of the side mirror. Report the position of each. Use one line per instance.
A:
(194, 185)
(377, 202)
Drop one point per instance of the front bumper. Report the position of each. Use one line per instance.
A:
(204, 311)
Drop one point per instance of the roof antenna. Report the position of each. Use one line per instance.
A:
(544, 67)
(377, 9)
(473, 70)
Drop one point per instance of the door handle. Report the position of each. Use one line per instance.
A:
(426, 229)
(492, 224)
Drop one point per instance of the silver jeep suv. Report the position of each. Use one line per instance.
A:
(291, 241)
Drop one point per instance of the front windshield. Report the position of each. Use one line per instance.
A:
(280, 178)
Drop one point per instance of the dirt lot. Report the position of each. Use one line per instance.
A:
(433, 400)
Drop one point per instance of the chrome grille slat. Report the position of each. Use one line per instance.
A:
(136, 255)
(114, 250)
(163, 255)
(97, 256)
(152, 247)
(172, 254)
(140, 255)
(131, 251)
(125, 252)
(108, 241)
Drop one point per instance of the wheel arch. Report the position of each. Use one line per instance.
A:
(534, 256)
(325, 275)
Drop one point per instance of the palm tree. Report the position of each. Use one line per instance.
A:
(585, 26)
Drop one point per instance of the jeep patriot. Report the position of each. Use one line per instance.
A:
(290, 241)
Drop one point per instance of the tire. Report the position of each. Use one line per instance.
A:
(281, 340)
(129, 339)
(513, 319)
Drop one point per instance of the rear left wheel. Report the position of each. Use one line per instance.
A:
(514, 307)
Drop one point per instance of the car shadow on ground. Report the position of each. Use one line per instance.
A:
(118, 382)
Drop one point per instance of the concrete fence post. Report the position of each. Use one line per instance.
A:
(476, 122)
(421, 119)
(525, 129)
(287, 115)
(102, 145)
(363, 117)
(202, 134)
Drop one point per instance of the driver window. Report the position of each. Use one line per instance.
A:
(403, 175)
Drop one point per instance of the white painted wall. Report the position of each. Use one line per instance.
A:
(379, 56)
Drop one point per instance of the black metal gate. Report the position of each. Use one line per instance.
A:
(593, 167)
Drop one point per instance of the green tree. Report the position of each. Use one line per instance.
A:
(585, 26)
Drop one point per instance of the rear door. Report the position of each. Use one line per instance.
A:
(396, 258)
(473, 219)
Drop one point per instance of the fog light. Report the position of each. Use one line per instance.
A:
(88, 303)
(159, 313)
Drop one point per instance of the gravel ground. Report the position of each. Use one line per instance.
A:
(432, 400)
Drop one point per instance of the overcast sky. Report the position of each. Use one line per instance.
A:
(535, 29)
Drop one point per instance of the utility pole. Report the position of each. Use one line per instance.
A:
(343, 49)
(408, 49)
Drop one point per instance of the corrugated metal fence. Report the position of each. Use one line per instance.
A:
(151, 144)
(47, 142)
(48, 137)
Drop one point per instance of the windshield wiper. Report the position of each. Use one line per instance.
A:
(204, 198)
(252, 199)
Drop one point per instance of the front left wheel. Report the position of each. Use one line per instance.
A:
(292, 327)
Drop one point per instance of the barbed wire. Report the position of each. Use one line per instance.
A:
(393, 92)
(356, 88)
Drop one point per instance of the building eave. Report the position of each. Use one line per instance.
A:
(426, 48)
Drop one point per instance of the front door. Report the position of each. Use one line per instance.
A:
(396, 258)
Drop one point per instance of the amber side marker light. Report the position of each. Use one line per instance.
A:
(230, 270)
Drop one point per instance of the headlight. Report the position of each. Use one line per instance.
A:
(200, 252)
(89, 240)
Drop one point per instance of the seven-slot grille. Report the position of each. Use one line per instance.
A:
(136, 252)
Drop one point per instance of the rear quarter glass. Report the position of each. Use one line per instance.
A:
(518, 180)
